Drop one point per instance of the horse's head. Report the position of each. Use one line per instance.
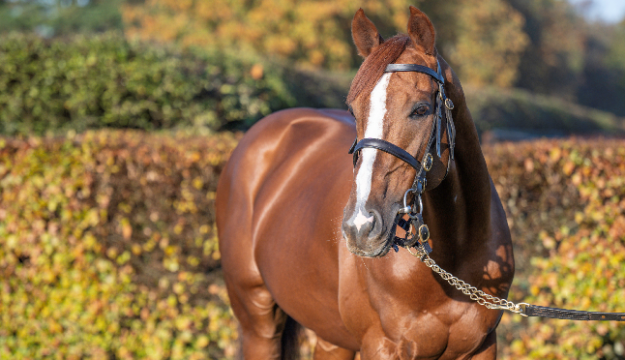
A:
(399, 108)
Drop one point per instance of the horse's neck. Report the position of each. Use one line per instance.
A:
(460, 205)
(471, 172)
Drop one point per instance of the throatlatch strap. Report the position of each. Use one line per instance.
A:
(555, 313)
(387, 147)
(417, 68)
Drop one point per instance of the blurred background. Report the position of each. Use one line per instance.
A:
(117, 116)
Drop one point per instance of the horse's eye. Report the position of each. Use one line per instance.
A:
(421, 110)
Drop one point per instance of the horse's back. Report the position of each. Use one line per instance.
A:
(279, 212)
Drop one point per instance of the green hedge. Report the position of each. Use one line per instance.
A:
(492, 108)
(103, 81)
(516, 109)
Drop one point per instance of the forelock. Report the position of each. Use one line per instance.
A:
(374, 65)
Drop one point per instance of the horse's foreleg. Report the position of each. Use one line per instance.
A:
(262, 323)
(326, 351)
(376, 346)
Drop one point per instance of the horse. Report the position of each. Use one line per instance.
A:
(310, 236)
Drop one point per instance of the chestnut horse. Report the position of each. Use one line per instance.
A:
(305, 234)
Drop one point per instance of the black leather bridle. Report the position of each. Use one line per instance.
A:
(421, 166)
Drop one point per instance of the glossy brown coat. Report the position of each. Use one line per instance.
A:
(280, 205)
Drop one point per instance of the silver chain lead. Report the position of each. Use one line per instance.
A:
(482, 298)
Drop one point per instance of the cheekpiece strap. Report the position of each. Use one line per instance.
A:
(416, 68)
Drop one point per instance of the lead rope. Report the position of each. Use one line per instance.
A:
(493, 302)
(482, 298)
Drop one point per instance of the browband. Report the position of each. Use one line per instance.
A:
(416, 68)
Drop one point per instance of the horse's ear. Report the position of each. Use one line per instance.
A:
(422, 31)
(365, 34)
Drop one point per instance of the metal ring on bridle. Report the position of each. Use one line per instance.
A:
(410, 210)
(420, 205)
(407, 209)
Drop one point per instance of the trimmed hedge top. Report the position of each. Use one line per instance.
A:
(103, 81)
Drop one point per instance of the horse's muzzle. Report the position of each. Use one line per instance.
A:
(366, 233)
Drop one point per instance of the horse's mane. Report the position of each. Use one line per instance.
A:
(373, 67)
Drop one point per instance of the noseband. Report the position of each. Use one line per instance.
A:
(421, 166)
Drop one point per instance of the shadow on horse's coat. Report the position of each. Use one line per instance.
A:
(304, 235)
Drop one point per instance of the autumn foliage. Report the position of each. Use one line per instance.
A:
(108, 247)
(571, 244)
(486, 37)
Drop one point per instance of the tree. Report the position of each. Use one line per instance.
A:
(316, 33)
(59, 17)
(553, 61)
(489, 42)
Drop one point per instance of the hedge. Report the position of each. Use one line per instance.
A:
(104, 81)
(493, 109)
(517, 109)
(578, 262)
(108, 247)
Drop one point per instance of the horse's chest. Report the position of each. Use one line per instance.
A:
(425, 334)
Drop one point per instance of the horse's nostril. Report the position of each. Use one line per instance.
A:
(376, 226)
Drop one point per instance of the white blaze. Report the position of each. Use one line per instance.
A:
(361, 219)
(373, 129)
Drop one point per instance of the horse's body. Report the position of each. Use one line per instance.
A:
(280, 215)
